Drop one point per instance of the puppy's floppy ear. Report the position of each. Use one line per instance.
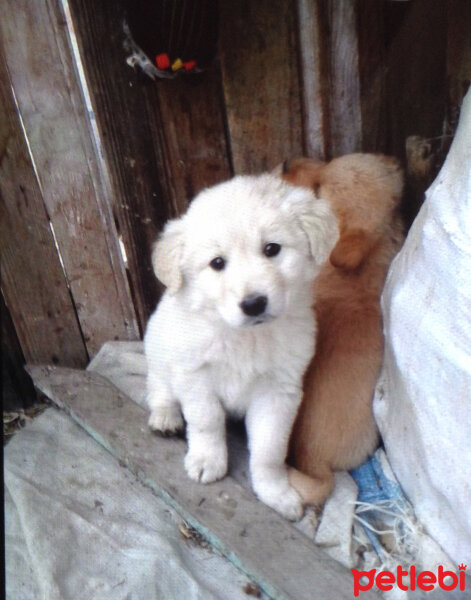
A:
(306, 172)
(167, 255)
(318, 222)
(352, 249)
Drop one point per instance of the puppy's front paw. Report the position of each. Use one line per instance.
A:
(288, 504)
(167, 420)
(205, 466)
(281, 497)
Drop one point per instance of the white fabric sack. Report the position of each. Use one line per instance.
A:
(423, 398)
(78, 526)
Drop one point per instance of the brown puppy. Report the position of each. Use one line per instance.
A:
(335, 428)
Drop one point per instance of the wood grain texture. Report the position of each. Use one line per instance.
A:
(330, 61)
(162, 140)
(261, 82)
(57, 126)
(192, 117)
(33, 282)
(343, 65)
(314, 79)
(253, 537)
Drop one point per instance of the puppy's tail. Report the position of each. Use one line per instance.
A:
(314, 491)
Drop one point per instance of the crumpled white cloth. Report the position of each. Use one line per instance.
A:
(80, 527)
(423, 398)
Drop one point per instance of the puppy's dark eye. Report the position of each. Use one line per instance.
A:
(217, 263)
(271, 249)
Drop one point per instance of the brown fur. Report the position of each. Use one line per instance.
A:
(335, 428)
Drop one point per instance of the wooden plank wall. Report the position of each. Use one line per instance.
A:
(93, 153)
(33, 282)
(57, 128)
(261, 82)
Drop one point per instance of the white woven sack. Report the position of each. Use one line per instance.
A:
(423, 398)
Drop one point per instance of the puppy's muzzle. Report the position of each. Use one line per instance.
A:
(254, 305)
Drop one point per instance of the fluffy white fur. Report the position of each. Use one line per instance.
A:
(206, 357)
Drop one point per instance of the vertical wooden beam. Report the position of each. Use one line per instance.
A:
(344, 100)
(314, 79)
(331, 74)
(33, 281)
(56, 123)
(193, 123)
(261, 82)
(139, 196)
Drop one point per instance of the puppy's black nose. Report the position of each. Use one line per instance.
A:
(254, 305)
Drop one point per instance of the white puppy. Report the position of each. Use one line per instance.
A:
(235, 329)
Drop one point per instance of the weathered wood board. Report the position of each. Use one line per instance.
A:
(281, 560)
(58, 129)
(192, 118)
(314, 78)
(261, 82)
(33, 281)
(344, 91)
